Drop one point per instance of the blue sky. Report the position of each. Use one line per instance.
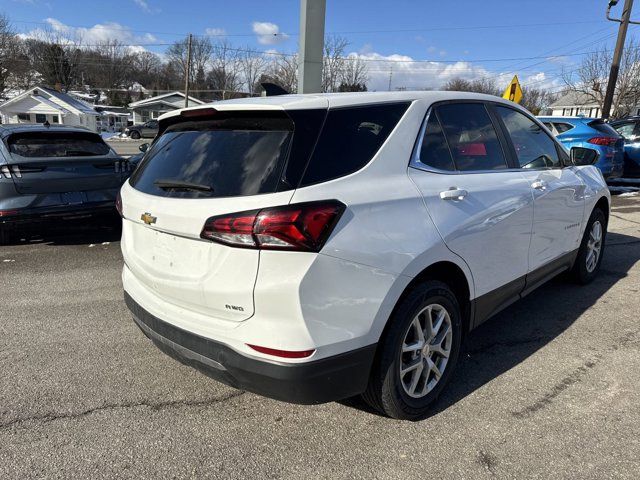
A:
(489, 38)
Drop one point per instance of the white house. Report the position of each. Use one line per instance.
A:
(152, 107)
(112, 118)
(575, 104)
(40, 104)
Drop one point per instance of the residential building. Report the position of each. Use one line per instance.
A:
(575, 104)
(42, 104)
(152, 107)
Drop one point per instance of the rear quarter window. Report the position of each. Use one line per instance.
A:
(56, 144)
(350, 138)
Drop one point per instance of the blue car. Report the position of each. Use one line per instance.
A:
(629, 128)
(591, 133)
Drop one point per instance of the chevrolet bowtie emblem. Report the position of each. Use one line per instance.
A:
(148, 218)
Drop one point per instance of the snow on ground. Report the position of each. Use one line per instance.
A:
(115, 137)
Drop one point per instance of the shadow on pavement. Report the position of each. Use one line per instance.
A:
(516, 333)
(73, 232)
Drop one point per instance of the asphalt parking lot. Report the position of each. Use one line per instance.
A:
(127, 147)
(548, 388)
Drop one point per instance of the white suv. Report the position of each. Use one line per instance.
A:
(311, 248)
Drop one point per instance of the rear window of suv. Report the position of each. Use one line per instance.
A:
(222, 156)
(57, 144)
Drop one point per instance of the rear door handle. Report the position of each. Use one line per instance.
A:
(539, 185)
(453, 194)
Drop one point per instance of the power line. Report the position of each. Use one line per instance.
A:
(284, 34)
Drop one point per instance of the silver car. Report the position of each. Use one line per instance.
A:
(55, 173)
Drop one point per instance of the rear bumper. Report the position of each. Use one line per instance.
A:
(328, 379)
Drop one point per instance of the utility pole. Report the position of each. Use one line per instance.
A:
(312, 14)
(187, 76)
(390, 77)
(617, 54)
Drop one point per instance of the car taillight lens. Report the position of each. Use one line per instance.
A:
(604, 141)
(119, 204)
(302, 227)
(282, 353)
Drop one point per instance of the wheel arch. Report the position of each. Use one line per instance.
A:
(602, 204)
(454, 277)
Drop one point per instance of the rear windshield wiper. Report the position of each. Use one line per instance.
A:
(181, 185)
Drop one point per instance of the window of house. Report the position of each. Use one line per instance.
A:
(472, 139)
(41, 118)
(24, 117)
(55, 119)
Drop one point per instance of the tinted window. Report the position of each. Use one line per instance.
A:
(628, 130)
(602, 127)
(231, 156)
(57, 144)
(350, 138)
(434, 151)
(534, 148)
(471, 136)
(563, 127)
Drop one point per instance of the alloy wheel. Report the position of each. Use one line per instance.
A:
(425, 350)
(594, 246)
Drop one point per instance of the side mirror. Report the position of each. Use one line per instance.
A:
(584, 156)
(144, 147)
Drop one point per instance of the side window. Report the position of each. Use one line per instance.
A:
(350, 138)
(471, 137)
(534, 148)
(434, 151)
(628, 130)
(563, 127)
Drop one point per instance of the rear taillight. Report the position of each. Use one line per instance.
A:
(604, 141)
(301, 227)
(119, 204)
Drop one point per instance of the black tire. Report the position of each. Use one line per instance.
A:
(135, 135)
(386, 391)
(581, 272)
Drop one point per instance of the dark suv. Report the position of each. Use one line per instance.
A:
(146, 130)
(55, 173)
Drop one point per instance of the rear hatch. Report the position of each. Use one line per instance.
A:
(213, 164)
(62, 162)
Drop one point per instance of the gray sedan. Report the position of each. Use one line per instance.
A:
(55, 173)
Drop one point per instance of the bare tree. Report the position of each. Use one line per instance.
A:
(146, 68)
(7, 51)
(224, 75)
(479, 85)
(201, 51)
(590, 79)
(354, 75)
(333, 63)
(283, 71)
(537, 99)
(56, 58)
(252, 67)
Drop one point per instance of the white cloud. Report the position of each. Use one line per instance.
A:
(215, 32)
(144, 6)
(268, 33)
(99, 33)
(408, 73)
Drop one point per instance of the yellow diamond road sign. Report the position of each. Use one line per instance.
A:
(513, 91)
